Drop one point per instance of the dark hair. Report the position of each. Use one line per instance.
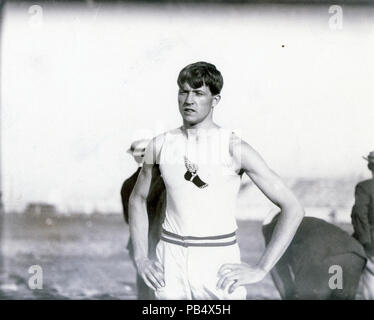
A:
(371, 166)
(199, 73)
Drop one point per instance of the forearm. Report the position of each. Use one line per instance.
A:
(284, 231)
(150, 271)
(138, 222)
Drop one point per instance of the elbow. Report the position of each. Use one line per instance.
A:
(298, 211)
(294, 209)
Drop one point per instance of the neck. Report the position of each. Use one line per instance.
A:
(372, 174)
(207, 123)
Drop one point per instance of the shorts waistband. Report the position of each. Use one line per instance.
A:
(191, 241)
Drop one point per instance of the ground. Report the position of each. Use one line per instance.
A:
(85, 257)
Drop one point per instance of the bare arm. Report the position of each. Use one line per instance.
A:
(291, 216)
(150, 271)
(281, 272)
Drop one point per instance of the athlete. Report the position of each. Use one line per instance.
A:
(201, 164)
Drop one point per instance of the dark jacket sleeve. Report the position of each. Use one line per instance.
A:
(360, 216)
(126, 190)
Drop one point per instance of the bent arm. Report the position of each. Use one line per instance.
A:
(281, 273)
(276, 191)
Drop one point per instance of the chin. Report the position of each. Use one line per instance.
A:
(189, 120)
(191, 123)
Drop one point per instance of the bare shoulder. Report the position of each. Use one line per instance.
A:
(152, 152)
(242, 151)
(238, 142)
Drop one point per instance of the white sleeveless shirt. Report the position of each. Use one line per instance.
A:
(190, 210)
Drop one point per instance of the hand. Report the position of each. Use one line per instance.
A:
(152, 273)
(238, 274)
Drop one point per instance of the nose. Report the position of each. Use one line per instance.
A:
(189, 98)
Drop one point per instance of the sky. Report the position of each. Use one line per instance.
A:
(79, 85)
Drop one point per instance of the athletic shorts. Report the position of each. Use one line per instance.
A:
(191, 265)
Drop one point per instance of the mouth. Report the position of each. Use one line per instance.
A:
(188, 111)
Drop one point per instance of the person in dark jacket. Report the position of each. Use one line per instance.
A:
(155, 207)
(363, 226)
(306, 268)
(363, 210)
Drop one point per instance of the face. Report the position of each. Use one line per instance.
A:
(195, 105)
(138, 155)
(139, 159)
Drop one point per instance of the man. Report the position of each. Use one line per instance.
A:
(363, 225)
(306, 270)
(155, 210)
(201, 163)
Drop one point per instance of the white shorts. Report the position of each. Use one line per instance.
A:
(191, 267)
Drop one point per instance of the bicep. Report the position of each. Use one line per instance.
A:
(143, 183)
(266, 179)
(272, 186)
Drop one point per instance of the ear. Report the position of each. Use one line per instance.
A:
(216, 99)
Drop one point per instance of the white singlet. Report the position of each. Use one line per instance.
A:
(202, 184)
(191, 210)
